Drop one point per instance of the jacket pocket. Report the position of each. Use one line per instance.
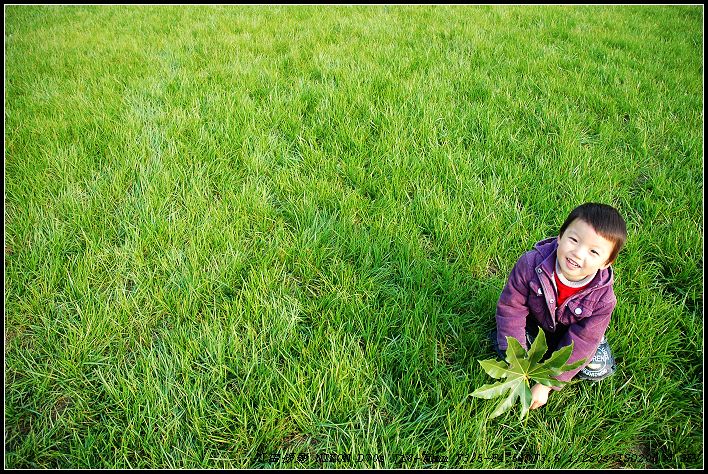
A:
(535, 289)
(536, 299)
(575, 311)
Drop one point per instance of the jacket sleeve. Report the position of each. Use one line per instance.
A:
(512, 308)
(586, 336)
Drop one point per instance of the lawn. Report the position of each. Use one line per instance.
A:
(250, 236)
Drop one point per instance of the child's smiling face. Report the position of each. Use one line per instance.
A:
(582, 251)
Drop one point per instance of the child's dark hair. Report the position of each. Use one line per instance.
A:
(605, 220)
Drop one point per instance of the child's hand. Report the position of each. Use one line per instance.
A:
(539, 395)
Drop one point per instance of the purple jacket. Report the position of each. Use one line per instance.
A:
(530, 292)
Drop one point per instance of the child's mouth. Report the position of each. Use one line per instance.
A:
(571, 263)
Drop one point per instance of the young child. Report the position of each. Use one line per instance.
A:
(564, 286)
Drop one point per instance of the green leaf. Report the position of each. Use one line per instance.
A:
(504, 406)
(517, 356)
(494, 390)
(538, 348)
(521, 368)
(520, 390)
(549, 382)
(514, 349)
(525, 397)
(494, 368)
(572, 366)
(558, 359)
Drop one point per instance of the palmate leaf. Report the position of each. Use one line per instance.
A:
(495, 368)
(523, 367)
(518, 390)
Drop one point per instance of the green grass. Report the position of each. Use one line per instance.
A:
(284, 230)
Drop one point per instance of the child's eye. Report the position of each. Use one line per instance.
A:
(572, 239)
(595, 252)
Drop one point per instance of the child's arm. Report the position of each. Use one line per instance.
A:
(511, 307)
(586, 335)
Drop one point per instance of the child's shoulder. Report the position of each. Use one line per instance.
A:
(528, 261)
(540, 251)
(546, 246)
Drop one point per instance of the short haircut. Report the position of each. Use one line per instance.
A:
(606, 221)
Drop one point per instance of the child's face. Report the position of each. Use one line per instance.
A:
(582, 251)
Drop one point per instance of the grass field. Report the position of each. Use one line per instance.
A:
(265, 236)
